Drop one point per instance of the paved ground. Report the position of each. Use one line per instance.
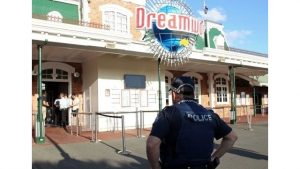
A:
(250, 151)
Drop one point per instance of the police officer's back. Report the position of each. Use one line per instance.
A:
(182, 135)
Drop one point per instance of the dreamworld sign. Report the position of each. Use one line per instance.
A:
(175, 22)
(170, 29)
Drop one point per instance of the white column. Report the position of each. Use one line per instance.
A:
(211, 89)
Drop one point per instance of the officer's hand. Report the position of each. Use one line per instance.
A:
(215, 163)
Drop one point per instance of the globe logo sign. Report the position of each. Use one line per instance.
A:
(169, 28)
(169, 39)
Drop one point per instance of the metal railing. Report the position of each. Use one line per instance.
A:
(83, 122)
(71, 21)
(142, 121)
(90, 122)
(224, 111)
(123, 151)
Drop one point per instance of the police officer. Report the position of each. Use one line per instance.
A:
(182, 135)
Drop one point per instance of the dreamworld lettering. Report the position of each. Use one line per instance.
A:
(176, 22)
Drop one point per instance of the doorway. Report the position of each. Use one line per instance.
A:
(258, 102)
(53, 89)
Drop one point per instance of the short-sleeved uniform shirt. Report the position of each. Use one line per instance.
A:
(187, 131)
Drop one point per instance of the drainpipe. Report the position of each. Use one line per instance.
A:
(233, 95)
(254, 102)
(211, 89)
(159, 86)
(40, 126)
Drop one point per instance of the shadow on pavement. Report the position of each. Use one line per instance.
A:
(70, 163)
(76, 164)
(246, 153)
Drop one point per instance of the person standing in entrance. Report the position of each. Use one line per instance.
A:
(63, 108)
(75, 104)
(182, 135)
(57, 111)
(45, 106)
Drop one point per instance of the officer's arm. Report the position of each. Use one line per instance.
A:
(226, 144)
(153, 151)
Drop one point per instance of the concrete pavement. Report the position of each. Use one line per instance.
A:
(249, 152)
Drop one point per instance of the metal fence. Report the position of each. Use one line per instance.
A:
(90, 122)
(71, 21)
(242, 110)
(136, 119)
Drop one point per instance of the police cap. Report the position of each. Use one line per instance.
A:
(183, 85)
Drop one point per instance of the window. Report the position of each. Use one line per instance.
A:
(221, 87)
(168, 95)
(60, 74)
(196, 91)
(167, 86)
(109, 19)
(116, 21)
(47, 74)
(116, 17)
(121, 23)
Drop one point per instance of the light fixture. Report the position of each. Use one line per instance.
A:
(76, 74)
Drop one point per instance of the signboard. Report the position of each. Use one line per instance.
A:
(170, 29)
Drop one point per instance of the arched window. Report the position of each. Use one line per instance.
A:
(197, 90)
(55, 16)
(168, 80)
(221, 89)
(47, 74)
(61, 74)
(117, 17)
(56, 71)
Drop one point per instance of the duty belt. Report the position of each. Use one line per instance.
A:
(191, 167)
(201, 166)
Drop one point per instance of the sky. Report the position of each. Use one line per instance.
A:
(245, 21)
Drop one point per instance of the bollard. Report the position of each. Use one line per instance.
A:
(249, 120)
(137, 123)
(77, 124)
(96, 129)
(141, 123)
(95, 136)
(124, 151)
(91, 127)
(71, 123)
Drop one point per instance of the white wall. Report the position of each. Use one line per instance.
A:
(90, 85)
(111, 71)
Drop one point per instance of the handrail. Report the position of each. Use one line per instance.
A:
(105, 115)
(71, 21)
(245, 109)
(123, 151)
(142, 117)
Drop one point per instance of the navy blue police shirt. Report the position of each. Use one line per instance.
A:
(187, 131)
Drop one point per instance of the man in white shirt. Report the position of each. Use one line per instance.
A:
(63, 107)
